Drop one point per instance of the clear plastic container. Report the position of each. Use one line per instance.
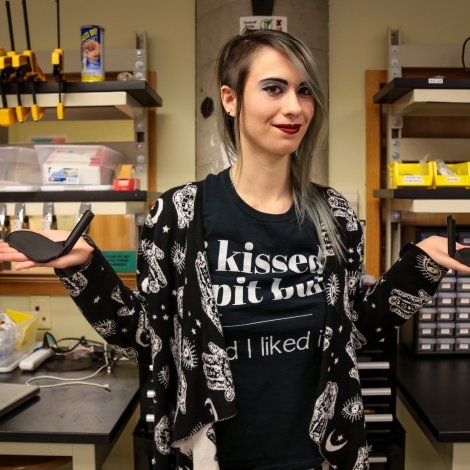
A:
(17, 337)
(78, 164)
(19, 166)
(8, 338)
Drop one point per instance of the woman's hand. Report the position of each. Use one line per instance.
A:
(436, 247)
(80, 255)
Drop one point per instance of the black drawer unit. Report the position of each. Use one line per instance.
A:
(385, 435)
(387, 447)
(442, 327)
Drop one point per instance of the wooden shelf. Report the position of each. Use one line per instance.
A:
(399, 87)
(68, 202)
(423, 200)
(105, 93)
(13, 283)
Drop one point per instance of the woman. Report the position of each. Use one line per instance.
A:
(248, 304)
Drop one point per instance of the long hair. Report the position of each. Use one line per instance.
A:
(233, 66)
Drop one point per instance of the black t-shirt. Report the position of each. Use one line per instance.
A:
(267, 275)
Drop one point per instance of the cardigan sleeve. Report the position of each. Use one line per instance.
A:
(396, 296)
(399, 293)
(117, 313)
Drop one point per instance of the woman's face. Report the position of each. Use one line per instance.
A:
(277, 107)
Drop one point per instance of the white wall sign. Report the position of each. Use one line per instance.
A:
(263, 22)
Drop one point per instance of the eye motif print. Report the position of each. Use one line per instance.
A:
(429, 269)
(178, 256)
(184, 199)
(332, 290)
(353, 409)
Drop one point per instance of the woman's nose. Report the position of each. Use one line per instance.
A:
(292, 104)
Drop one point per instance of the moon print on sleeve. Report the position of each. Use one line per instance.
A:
(330, 447)
(152, 218)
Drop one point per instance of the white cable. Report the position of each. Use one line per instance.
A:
(78, 382)
(71, 381)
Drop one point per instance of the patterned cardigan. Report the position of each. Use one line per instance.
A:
(171, 322)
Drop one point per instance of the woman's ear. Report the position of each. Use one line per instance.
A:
(229, 100)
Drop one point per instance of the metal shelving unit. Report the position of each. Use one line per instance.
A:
(437, 95)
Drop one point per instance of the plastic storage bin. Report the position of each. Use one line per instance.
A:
(19, 167)
(78, 164)
(447, 284)
(463, 284)
(18, 341)
(461, 178)
(411, 174)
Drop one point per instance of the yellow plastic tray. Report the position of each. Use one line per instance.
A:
(411, 174)
(461, 177)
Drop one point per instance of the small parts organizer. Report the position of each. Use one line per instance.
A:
(429, 175)
(443, 325)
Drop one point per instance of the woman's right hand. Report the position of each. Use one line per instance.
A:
(79, 255)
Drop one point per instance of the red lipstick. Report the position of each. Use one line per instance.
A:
(290, 129)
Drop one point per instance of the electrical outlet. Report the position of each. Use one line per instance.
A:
(41, 305)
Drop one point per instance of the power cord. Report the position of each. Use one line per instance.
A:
(73, 381)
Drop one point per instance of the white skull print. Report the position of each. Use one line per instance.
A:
(183, 199)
